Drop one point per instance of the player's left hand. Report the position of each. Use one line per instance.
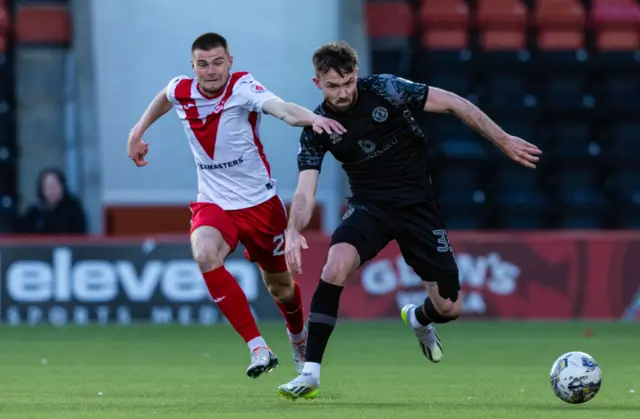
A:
(294, 244)
(321, 125)
(520, 151)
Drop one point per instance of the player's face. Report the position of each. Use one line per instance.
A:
(339, 90)
(211, 68)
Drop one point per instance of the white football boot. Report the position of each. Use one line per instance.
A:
(427, 337)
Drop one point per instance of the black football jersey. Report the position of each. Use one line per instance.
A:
(384, 153)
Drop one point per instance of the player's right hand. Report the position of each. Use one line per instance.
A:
(294, 244)
(137, 149)
(325, 125)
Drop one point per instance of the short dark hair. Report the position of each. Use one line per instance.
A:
(338, 56)
(209, 40)
(58, 174)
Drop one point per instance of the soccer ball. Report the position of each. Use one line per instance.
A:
(575, 377)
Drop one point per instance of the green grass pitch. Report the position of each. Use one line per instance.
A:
(371, 370)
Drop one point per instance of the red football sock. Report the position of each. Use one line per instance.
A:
(232, 302)
(292, 311)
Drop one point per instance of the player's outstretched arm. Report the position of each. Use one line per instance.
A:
(158, 107)
(442, 101)
(136, 148)
(304, 200)
(298, 116)
(302, 205)
(310, 155)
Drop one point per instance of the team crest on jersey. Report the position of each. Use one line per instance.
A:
(380, 114)
(256, 88)
(335, 138)
(219, 107)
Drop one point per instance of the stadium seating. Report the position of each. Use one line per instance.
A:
(22, 22)
(8, 147)
(616, 23)
(463, 197)
(625, 142)
(574, 140)
(617, 27)
(521, 198)
(560, 73)
(444, 40)
(625, 183)
(502, 24)
(560, 23)
(501, 57)
(561, 26)
(390, 26)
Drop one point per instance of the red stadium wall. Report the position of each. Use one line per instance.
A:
(130, 220)
(513, 276)
(588, 275)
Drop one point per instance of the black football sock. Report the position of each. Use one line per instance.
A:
(421, 317)
(323, 316)
(427, 314)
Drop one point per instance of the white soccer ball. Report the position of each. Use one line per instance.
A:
(576, 377)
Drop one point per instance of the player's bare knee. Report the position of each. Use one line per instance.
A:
(443, 306)
(335, 272)
(456, 310)
(445, 295)
(342, 261)
(280, 286)
(209, 248)
(449, 309)
(451, 312)
(281, 293)
(207, 259)
(207, 255)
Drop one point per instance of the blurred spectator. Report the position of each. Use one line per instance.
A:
(57, 211)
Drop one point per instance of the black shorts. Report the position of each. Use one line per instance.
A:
(419, 231)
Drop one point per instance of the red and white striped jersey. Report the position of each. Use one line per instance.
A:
(224, 135)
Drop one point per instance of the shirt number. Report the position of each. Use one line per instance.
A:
(279, 244)
(443, 241)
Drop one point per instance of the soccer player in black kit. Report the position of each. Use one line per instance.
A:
(386, 158)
